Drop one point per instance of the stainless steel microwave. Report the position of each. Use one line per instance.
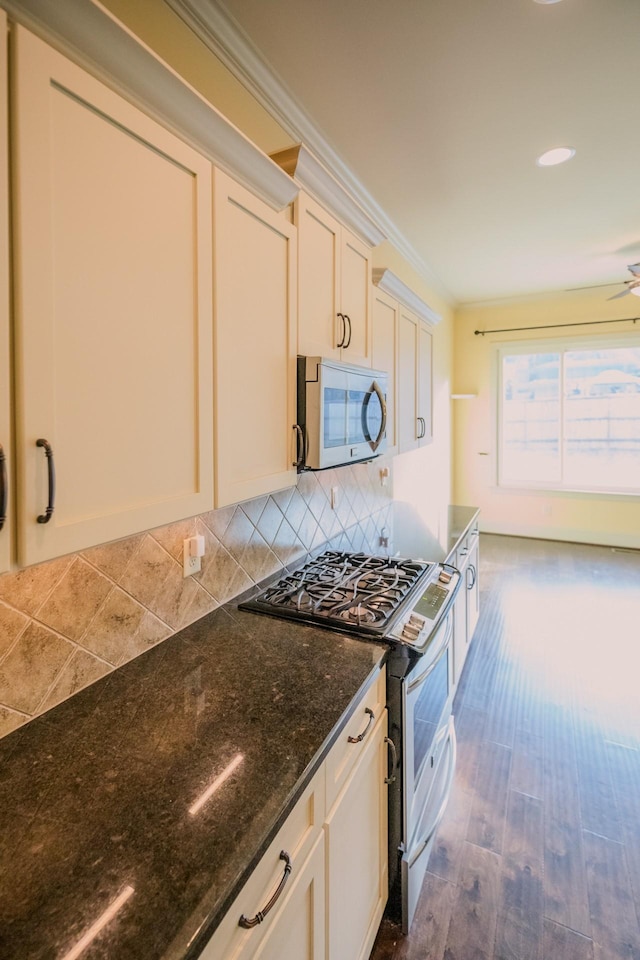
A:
(342, 413)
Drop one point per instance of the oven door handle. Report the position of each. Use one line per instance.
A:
(445, 795)
(446, 634)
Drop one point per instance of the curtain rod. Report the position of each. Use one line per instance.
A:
(556, 326)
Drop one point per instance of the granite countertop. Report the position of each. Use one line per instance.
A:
(424, 537)
(95, 794)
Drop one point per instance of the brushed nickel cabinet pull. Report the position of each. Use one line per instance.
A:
(247, 923)
(51, 473)
(344, 330)
(4, 487)
(362, 735)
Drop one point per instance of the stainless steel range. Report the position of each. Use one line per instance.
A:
(408, 606)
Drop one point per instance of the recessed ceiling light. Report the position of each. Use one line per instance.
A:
(557, 155)
(547, 1)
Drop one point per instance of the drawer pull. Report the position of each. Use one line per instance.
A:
(362, 735)
(261, 914)
(51, 475)
(4, 487)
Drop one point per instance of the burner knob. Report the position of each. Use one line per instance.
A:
(410, 632)
(444, 577)
(415, 620)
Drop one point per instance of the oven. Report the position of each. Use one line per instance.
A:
(408, 605)
(422, 729)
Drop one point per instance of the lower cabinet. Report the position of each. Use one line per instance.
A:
(356, 844)
(328, 906)
(467, 605)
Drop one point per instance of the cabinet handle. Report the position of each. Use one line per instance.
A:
(348, 320)
(261, 914)
(299, 445)
(394, 759)
(423, 429)
(4, 487)
(362, 735)
(51, 471)
(344, 330)
(474, 576)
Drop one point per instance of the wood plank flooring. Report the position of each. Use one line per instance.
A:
(538, 855)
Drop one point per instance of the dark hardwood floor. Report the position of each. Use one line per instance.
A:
(538, 855)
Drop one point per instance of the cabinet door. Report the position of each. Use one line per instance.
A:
(473, 586)
(5, 397)
(254, 345)
(355, 299)
(425, 384)
(298, 931)
(460, 639)
(384, 356)
(357, 866)
(408, 425)
(113, 290)
(319, 327)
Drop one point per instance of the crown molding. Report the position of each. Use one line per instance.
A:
(310, 174)
(221, 33)
(388, 281)
(91, 36)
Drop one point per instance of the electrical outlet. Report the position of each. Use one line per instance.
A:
(334, 497)
(192, 553)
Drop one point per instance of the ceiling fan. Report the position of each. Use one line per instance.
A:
(633, 286)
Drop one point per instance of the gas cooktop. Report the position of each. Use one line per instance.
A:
(351, 591)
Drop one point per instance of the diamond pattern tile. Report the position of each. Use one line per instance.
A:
(65, 623)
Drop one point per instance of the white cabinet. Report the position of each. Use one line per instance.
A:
(467, 605)
(5, 398)
(415, 380)
(334, 292)
(331, 903)
(254, 345)
(294, 926)
(386, 319)
(113, 303)
(356, 842)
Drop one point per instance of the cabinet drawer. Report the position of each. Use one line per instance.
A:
(345, 753)
(297, 837)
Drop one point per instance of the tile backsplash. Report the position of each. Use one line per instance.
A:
(66, 623)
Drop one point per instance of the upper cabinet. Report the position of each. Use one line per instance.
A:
(113, 304)
(397, 308)
(386, 325)
(335, 240)
(334, 293)
(5, 399)
(255, 345)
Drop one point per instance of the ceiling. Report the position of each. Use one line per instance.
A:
(440, 107)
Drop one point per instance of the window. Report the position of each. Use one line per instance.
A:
(569, 415)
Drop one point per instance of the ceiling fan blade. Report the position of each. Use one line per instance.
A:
(623, 293)
(635, 269)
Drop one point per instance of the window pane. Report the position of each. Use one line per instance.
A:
(530, 404)
(602, 418)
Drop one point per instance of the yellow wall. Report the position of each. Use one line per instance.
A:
(165, 33)
(587, 518)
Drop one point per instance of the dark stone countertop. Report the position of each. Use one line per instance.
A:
(422, 537)
(95, 795)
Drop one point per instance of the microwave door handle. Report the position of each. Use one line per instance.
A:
(375, 388)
